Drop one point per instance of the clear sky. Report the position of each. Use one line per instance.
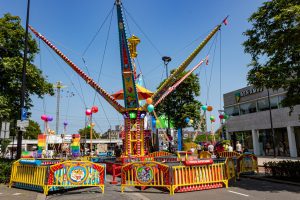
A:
(165, 27)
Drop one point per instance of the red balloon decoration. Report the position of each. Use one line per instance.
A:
(44, 117)
(94, 109)
(221, 116)
(88, 112)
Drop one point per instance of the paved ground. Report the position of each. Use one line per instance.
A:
(245, 189)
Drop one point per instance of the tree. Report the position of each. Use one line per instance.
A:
(85, 133)
(12, 36)
(274, 45)
(32, 131)
(182, 103)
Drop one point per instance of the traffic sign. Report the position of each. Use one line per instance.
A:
(23, 124)
(24, 114)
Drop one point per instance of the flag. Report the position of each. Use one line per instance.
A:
(225, 21)
(206, 60)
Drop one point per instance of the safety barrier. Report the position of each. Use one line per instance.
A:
(247, 163)
(204, 154)
(227, 154)
(177, 178)
(159, 153)
(189, 178)
(143, 174)
(31, 174)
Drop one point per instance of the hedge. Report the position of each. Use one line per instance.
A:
(5, 169)
(286, 169)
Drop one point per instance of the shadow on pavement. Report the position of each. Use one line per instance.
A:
(261, 185)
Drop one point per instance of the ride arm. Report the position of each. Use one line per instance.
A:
(88, 79)
(129, 88)
(172, 88)
(183, 66)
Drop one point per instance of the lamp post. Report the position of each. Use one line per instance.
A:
(19, 136)
(166, 60)
(271, 121)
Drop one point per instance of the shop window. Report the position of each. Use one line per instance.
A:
(274, 102)
(232, 111)
(263, 104)
(280, 98)
(248, 108)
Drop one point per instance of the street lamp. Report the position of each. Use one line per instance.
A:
(271, 121)
(19, 136)
(166, 60)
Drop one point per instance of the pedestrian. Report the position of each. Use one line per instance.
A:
(230, 148)
(268, 147)
(199, 148)
(239, 147)
(211, 148)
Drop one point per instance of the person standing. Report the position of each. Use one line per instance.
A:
(211, 148)
(239, 147)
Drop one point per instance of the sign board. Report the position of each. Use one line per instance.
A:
(24, 114)
(4, 130)
(22, 124)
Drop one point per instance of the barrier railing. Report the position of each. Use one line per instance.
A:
(31, 174)
(188, 178)
(142, 174)
(247, 163)
(227, 154)
(230, 169)
(159, 153)
(28, 175)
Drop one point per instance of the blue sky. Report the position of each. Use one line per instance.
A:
(165, 27)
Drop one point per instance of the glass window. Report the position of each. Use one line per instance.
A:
(274, 102)
(263, 104)
(232, 110)
(280, 98)
(248, 108)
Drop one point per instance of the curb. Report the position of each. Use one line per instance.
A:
(272, 180)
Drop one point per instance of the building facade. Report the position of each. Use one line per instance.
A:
(250, 122)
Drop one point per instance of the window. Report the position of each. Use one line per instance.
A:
(263, 104)
(280, 98)
(274, 102)
(248, 107)
(232, 111)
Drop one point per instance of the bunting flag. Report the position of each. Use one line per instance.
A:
(206, 60)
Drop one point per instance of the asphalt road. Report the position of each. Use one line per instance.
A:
(245, 189)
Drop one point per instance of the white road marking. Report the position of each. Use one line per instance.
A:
(246, 195)
(16, 194)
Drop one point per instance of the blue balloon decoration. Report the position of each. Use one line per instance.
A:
(187, 120)
(150, 107)
(204, 107)
(153, 122)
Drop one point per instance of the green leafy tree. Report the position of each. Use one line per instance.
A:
(12, 36)
(32, 131)
(85, 133)
(182, 103)
(274, 45)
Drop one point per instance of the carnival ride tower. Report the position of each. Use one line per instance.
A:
(132, 112)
